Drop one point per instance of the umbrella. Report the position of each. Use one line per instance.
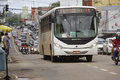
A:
(5, 28)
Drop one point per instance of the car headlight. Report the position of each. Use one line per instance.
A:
(57, 45)
(110, 46)
(35, 49)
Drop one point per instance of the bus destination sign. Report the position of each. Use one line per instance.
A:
(75, 10)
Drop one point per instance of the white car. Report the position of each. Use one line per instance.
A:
(107, 46)
(34, 49)
(25, 30)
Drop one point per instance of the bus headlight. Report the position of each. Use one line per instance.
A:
(35, 49)
(31, 48)
(93, 45)
(57, 45)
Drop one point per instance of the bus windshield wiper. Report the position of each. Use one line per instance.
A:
(67, 20)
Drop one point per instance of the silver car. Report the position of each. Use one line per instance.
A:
(107, 46)
(100, 45)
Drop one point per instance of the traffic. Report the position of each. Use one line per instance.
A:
(25, 40)
(59, 39)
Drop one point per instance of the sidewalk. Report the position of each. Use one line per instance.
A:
(3, 74)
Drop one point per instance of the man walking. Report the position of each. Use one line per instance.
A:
(6, 43)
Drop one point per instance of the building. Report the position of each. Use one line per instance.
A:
(43, 10)
(109, 22)
(87, 2)
(101, 3)
(76, 3)
(96, 3)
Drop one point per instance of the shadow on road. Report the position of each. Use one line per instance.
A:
(67, 60)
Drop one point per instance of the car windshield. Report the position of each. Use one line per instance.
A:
(75, 26)
(35, 46)
(100, 42)
(110, 41)
(23, 37)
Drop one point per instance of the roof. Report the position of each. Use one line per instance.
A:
(52, 10)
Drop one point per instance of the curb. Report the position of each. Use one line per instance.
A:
(12, 76)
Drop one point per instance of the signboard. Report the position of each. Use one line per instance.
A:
(33, 14)
(75, 10)
(33, 11)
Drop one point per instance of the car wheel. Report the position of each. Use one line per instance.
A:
(107, 52)
(103, 52)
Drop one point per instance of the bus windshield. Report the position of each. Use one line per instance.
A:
(75, 25)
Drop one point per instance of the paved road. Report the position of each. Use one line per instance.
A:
(35, 68)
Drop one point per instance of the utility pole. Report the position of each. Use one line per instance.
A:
(33, 3)
(5, 9)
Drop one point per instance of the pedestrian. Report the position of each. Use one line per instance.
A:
(2, 43)
(6, 41)
(0, 39)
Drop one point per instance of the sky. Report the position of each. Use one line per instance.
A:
(30, 3)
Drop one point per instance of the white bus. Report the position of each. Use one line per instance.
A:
(69, 32)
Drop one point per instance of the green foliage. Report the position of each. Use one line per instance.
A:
(56, 4)
(13, 18)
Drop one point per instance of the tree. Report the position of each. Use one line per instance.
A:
(55, 4)
(13, 18)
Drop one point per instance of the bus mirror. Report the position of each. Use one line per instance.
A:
(98, 20)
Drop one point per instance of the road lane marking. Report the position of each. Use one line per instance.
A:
(88, 65)
(113, 73)
(104, 69)
(82, 63)
(95, 67)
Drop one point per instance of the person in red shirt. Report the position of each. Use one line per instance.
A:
(116, 43)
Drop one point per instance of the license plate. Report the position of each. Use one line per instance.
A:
(76, 52)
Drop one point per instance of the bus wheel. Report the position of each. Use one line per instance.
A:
(46, 57)
(89, 58)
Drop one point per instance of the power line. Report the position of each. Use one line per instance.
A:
(111, 18)
(39, 2)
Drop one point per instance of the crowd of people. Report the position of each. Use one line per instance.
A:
(5, 42)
